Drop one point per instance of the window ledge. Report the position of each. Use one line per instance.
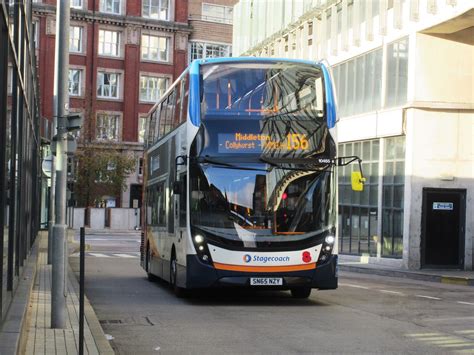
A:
(105, 98)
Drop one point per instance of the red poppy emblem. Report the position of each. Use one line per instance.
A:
(306, 256)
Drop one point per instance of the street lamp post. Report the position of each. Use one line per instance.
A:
(59, 250)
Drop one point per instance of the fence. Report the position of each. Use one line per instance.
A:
(104, 218)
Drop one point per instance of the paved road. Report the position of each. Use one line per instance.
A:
(366, 315)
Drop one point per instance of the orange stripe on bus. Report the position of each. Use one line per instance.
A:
(243, 268)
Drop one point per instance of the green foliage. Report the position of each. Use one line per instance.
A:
(102, 171)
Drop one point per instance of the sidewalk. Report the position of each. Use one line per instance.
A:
(108, 231)
(40, 338)
(456, 277)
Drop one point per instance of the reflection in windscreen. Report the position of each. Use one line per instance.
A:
(280, 202)
(262, 89)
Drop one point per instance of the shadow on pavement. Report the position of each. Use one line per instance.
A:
(240, 296)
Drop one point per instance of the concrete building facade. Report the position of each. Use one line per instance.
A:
(403, 71)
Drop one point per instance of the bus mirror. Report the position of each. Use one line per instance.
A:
(177, 187)
(357, 181)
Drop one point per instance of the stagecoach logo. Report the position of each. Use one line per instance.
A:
(265, 259)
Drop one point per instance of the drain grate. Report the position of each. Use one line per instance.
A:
(110, 321)
(147, 321)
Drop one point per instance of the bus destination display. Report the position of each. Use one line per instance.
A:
(256, 143)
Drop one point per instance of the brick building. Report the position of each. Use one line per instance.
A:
(123, 55)
(212, 28)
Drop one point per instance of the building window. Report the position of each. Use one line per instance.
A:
(217, 13)
(359, 84)
(107, 127)
(201, 50)
(109, 43)
(140, 167)
(358, 211)
(397, 73)
(75, 82)
(76, 4)
(111, 6)
(36, 29)
(141, 128)
(10, 80)
(152, 88)
(156, 9)
(75, 39)
(108, 85)
(155, 48)
(393, 196)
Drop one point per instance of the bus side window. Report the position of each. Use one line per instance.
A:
(184, 100)
(148, 206)
(177, 109)
(182, 200)
(159, 202)
(161, 114)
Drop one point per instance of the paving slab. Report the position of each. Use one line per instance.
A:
(40, 338)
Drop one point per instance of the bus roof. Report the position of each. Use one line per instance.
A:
(252, 59)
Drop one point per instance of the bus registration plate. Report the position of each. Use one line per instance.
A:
(266, 281)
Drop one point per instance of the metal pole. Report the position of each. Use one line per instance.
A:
(81, 291)
(59, 275)
(52, 194)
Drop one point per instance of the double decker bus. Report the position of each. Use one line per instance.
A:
(240, 179)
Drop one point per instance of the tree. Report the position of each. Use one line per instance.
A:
(102, 170)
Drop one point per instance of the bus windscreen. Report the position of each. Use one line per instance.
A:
(273, 110)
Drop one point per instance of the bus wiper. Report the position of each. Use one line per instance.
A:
(218, 163)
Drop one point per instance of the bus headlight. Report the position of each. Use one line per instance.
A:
(326, 249)
(330, 239)
(202, 250)
(198, 238)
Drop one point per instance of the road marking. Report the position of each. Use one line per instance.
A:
(449, 341)
(99, 255)
(393, 292)
(465, 331)
(416, 335)
(459, 344)
(465, 351)
(436, 338)
(125, 256)
(468, 303)
(355, 286)
(428, 297)
(447, 319)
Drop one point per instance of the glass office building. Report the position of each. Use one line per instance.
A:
(20, 146)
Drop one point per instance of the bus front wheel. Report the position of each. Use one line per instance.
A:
(178, 291)
(300, 292)
(150, 276)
